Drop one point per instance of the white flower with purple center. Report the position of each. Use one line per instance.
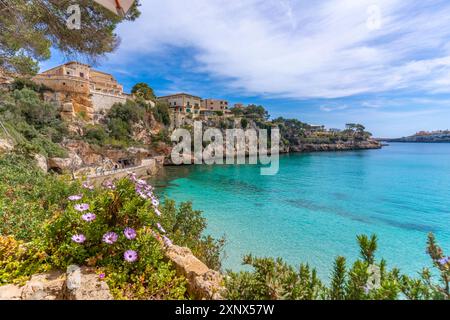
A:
(167, 241)
(78, 238)
(81, 207)
(141, 182)
(155, 202)
(444, 261)
(160, 228)
(158, 213)
(89, 217)
(110, 237)
(130, 233)
(130, 256)
(88, 186)
(76, 197)
(109, 185)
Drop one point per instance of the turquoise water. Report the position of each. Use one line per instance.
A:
(317, 204)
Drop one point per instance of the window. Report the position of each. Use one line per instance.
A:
(68, 73)
(82, 74)
(64, 83)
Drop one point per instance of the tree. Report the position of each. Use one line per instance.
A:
(144, 91)
(244, 123)
(29, 28)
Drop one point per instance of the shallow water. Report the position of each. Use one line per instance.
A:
(317, 204)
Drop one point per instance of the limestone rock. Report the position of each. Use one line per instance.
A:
(10, 292)
(85, 285)
(41, 162)
(74, 162)
(48, 286)
(203, 283)
(5, 146)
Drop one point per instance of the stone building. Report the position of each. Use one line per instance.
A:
(214, 105)
(76, 88)
(183, 103)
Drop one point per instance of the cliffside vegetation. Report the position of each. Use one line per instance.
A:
(367, 279)
(49, 222)
(34, 126)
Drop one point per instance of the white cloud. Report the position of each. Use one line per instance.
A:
(300, 49)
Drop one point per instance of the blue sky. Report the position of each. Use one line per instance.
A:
(383, 63)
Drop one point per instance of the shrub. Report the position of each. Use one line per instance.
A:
(244, 123)
(114, 230)
(28, 197)
(161, 113)
(120, 231)
(367, 279)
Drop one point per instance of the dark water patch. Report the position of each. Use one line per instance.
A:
(407, 225)
(312, 206)
(340, 196)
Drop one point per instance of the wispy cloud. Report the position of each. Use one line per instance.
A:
(299, 49)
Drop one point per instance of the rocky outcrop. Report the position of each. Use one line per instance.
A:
(77, 284)
(81, 284)
(5, 146)
(342, 146)
(41, 162)
(48, 286)
(73, 162)
(202, 282)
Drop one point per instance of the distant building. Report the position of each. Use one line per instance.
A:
(210, 107)
(215, 105)
(78, 78)
(183, 103)
(316, 127)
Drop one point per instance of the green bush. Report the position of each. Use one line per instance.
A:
(161, 113)
(44, 211)
(367, 279)
(28, 197)
(34, 125)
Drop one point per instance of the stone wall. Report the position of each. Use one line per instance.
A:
(104, 102)
(76, 284)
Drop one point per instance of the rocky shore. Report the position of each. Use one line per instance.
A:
(344, 146)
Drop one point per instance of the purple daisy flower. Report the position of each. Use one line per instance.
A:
(81, 207)
(141, 182)
(130, 256)
(78, 238)
(75, 197)
(444, 261)
(160, 228)
(110, 237)
(89, 217)
(101, 276)
(130, 233)
(109, 185)
(155, 202)
(167, 241)
(88, 186)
